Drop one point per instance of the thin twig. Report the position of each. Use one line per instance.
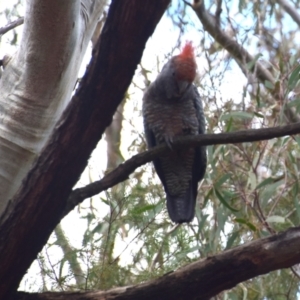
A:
(235, 49)
(11, 26)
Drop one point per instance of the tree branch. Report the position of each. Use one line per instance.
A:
(205, 278)
(11, 26)
(123, 171)
(239, 53)
(36, 209)
(236, 50)
(291, 10)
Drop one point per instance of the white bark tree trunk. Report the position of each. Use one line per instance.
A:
(38, 81)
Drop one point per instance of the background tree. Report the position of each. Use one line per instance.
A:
(250, 190)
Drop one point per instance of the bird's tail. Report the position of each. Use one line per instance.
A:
(182, 208)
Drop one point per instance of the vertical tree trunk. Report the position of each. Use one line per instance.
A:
(37, 207)
(38, 81)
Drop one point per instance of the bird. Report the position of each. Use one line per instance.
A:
(172, 108)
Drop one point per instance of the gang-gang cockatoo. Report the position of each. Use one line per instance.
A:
(172, 108)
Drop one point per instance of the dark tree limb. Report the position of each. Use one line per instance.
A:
(37, 207)
(205, 278)
(123, 171)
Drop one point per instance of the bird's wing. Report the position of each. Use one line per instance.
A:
(200, 162)
(151, 142)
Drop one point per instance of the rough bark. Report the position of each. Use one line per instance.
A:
(205, 278)
(37, 207)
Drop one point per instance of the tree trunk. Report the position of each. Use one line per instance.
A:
(38, 81)
(38, 206)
